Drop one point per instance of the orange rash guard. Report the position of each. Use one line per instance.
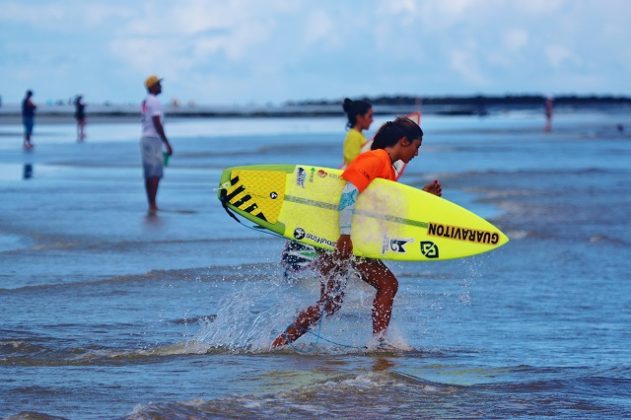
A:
(368, 166)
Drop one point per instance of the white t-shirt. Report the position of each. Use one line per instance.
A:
(151, 107)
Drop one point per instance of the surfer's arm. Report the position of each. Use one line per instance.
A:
(348, 200)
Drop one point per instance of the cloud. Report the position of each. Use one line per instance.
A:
(269, 50)
(181, 37)
(465, 63)
(543, 6)
(396, 7)
(62, 15)
(559, 55)
(515, 39)
(456, 8)
(46, 15)
(320, 28)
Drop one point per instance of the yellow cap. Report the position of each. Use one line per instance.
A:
(152, 80)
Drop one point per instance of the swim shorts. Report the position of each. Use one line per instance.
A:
(151, 148)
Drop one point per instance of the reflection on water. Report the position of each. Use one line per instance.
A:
(16, 171)
(27, 173)
(381, 364)
(152, 219)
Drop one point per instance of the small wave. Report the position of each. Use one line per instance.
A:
(604, 239)
(9, 347)
(34, 415)
(24, 354)
(326, 395)
(521, 173)
(241, 272)
(517, 234)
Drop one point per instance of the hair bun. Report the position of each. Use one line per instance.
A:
(348, 103)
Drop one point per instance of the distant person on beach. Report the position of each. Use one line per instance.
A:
(360, 115)
(395, 140)
(79, 115)
(549, 107)
(153, 136)
(28, 118)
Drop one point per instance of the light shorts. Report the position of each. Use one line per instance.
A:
(151, 149)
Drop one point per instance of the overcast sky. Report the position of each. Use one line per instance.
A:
(271, 51)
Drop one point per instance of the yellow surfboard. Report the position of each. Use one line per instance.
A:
(392, 221)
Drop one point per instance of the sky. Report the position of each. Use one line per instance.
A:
(240, 52)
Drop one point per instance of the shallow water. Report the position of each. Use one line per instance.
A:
(109, 313)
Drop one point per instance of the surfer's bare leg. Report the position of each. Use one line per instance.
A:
(375, 273)
(151, 185)
(331, 297)
(305, 320)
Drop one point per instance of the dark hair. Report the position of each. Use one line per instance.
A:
(355, 108)
(392, 131)
(29, 93)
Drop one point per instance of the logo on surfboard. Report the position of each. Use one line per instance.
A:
(394, 245)
(301, 177)
(463, 234)
(429, 249)
(299, 234)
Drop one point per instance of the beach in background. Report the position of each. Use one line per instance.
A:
(108, 312)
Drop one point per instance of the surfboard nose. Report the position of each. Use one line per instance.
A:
(504, 239)
(256, 192)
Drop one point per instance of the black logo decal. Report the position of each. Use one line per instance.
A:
(273, 195)
(429, 249)
(299, 233)
(397, 245)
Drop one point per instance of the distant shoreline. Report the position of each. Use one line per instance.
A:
(386, 105)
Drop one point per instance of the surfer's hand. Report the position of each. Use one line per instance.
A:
(434, 188)
(344, 247)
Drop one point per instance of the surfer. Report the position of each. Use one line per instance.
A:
(296, 256)
(360, 116)
(153, 136)
(395, 140)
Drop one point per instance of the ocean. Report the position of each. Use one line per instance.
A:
(107, 312)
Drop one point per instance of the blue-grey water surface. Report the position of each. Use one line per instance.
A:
(107, 312)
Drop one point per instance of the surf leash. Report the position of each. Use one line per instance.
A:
(339, 288)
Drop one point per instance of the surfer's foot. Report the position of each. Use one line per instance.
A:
(280, 341)
(290, 335)
(152, 209)
(379, 343)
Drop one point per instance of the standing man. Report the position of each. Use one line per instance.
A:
(28, 118)
(153, 136)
